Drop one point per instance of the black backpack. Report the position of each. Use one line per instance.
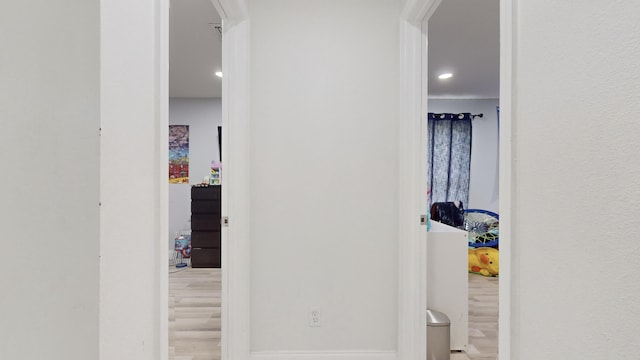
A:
(449, 213)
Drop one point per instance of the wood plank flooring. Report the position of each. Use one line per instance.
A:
(483, 317)
(194, 316)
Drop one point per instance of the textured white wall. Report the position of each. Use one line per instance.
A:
(483, 184)
(576, 287)
(324, 174)
(49, 120)
(133, 158)
(203, 115)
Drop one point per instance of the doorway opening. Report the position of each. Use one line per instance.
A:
(463, 102)
(195, 196)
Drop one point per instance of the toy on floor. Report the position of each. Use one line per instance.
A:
(484, 261)
(483, 228)
(183, 250)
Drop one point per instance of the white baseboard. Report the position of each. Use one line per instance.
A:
(324, 355)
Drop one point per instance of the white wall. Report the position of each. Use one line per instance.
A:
(575, 285)
(49, 120)
(203, 115)
(483, 183)
(575, 281)
(324, 174)
(133, 185)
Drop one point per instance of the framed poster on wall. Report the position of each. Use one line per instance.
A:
(178, 154)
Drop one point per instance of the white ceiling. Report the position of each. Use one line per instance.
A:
(463, 39)
(195, 49)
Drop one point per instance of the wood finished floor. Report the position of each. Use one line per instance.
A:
(194, 316)
(483, 317)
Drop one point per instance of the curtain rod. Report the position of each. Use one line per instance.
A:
(451, 116)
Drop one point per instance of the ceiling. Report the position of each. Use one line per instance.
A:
(195, 49)
(463, 40)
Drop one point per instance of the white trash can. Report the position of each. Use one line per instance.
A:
(438, 336)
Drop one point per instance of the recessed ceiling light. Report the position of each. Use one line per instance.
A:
(445, 76)
(219, 74)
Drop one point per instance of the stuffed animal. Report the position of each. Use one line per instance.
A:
(485, 261)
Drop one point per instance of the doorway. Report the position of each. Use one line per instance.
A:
(195, 121)
(464, 80)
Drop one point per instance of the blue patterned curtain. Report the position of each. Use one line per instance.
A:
(449, 157)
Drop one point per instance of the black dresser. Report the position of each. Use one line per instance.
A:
(206, 210)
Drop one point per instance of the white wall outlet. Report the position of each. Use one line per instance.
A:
(314, 316)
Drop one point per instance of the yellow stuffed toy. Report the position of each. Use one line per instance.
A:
(484, 260)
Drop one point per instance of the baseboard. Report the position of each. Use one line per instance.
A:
(324, 355)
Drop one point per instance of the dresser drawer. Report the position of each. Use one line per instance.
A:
(205, 239)
(206, 258)
(205, 207)
(205, 222)
(212, 192)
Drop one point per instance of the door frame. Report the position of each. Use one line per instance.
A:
(412, 235)
(507, 188)
(236, 199)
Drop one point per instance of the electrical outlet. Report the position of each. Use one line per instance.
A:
(314, 316)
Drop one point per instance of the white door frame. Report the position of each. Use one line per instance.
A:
(507, 182)
(236, 200)
(412, 243)
(412, 286)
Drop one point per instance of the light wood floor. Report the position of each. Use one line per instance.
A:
(483, 317)
(194, 316)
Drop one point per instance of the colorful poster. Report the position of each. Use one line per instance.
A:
(178, 154)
